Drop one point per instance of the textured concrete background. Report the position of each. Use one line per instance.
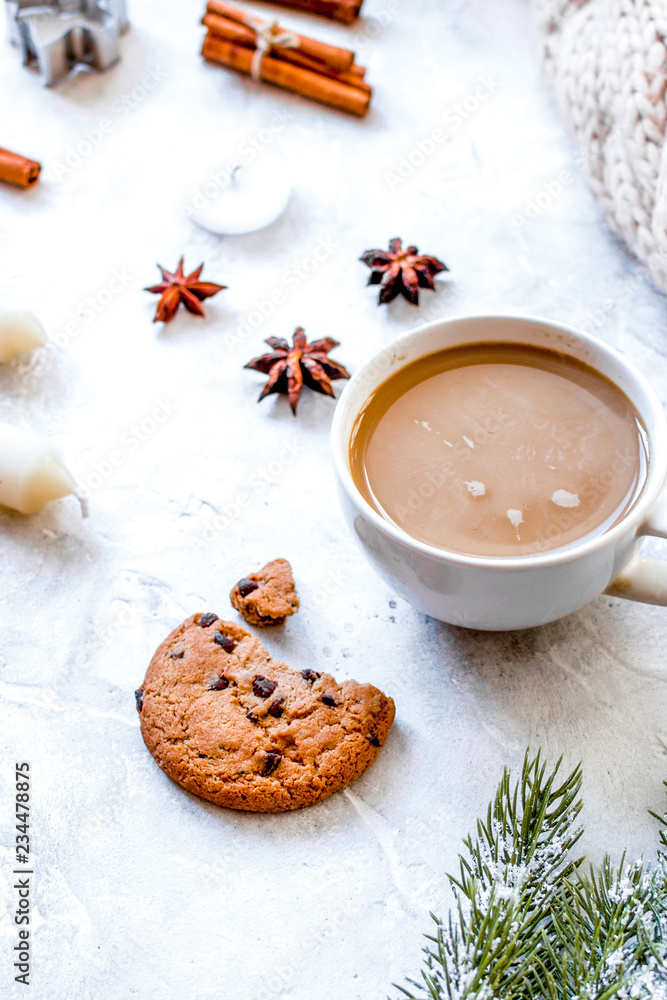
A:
(141, 889)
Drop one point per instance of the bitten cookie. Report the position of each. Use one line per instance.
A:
(234, 726)
(268, 596)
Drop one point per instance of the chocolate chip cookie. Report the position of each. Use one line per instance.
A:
(234, 726)
(268, 596)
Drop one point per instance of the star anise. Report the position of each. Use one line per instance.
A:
(401, 272)
(186, 288)
(290, 368)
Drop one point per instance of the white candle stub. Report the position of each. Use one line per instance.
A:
(254, 195)
(32, 471)
(20, 330)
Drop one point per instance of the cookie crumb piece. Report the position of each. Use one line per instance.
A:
(267, 597)
(224, 640)
(139, 698)
(310, 675)
(263, 688)
(270, 764)
(207, 619)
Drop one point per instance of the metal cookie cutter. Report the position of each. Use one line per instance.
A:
(59, 35)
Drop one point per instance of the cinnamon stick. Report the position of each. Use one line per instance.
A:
(18, 170)
(289, 76)
(346, 11)
(338, 59)
(354, 76)
(230, 31)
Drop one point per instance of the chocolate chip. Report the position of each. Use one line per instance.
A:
(224, 640)
(329, 700)
(219, 685)
(139, 698)
(207, 619)
(277, 707)
(271, 763)
(203, 755)
(177, 656)
(310, 675)
(373, 740)
(262, 688)
(246, 586)
(252, 717)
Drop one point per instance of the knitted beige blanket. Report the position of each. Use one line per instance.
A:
(607, 62)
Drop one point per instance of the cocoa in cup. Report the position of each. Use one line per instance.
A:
(498, 471)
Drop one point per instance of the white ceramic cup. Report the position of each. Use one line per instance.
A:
(498, 593)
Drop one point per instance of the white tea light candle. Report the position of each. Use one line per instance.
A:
(32, 470)
(254, 196)
(20, 330)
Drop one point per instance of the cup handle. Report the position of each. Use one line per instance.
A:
(644, 579)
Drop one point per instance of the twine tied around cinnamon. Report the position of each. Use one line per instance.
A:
(267, 40)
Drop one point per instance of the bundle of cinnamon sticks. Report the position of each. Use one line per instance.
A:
(325, 73)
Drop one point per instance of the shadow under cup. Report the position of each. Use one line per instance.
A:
(500, 591)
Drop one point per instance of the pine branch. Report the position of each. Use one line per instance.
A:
(605, 934)
(520, 857)
(529, 925)
(654, 978)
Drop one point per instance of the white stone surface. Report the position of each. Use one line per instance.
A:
(141, 889)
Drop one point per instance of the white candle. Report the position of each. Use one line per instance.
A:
(20, 330)
(253, 196)
(32, 471)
